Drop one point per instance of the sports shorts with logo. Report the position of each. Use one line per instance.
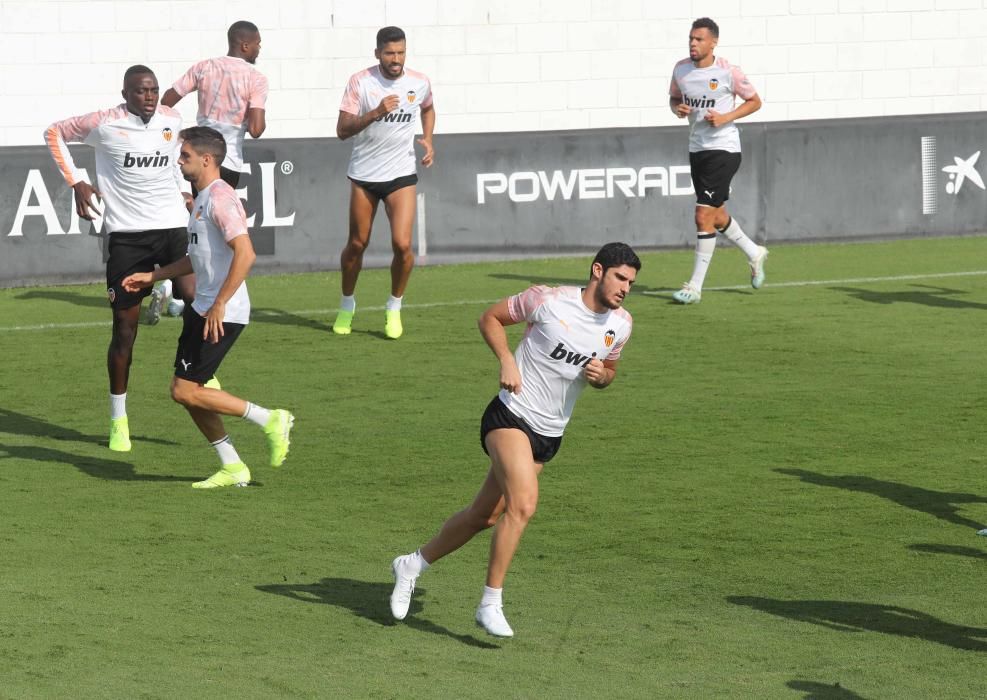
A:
(498, 416)
(380, 190)
(140, 252)
(197, 359)
(712, 172)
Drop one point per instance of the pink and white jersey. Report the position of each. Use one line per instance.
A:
(563, 335)
(385, 150)
(216, 219)
(228, 86)
(710, 88)
(136, 165)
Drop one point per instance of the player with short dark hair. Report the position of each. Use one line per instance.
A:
(575, 337)
(221, 255)
(144, 212)
(703, 89)
(380, 111)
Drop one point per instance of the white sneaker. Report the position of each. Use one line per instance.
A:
(491, 618)
(404, 586)
(175, 307)
(757, 267)
(687, 295)
(982, 533)
(152, 314)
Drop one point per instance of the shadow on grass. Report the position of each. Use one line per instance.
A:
(67, 297)
(369, 601)
(22, 424)
(844, 616)
(823, 691)
(286, 318)
(941, 504)
(938, 297)
(93, 466)
(955, 550)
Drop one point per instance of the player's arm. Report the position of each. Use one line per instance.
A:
(350, 124)
(243, 260)
(171, 98)
(678, 106)
(428, 127)
(600, 373)
(492, 324)
(142, 280)
(57, 137)
(256, 122)
(746, 108)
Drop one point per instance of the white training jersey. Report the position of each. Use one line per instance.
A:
(563, 335)
(385, 150)
(136, 165)
(713, 87)
(216, 219)
(228, 86)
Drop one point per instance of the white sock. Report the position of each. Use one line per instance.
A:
(347, 303)
(705, 245)
(118, 405)
(492, 596)
(257, 414)
(226, 451)
(166, 288)
(393, 303)
(740, 239)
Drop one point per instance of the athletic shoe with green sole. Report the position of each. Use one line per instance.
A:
(392, 324)
(344, 323)
(278, 429)
(688, 295)
(757, 267)
(235, 474)
(119, 434)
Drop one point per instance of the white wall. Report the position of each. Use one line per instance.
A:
(507, 65)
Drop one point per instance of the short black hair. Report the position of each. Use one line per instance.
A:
(241, 31)
(204, 139)
(615, 255)
(707, 23)
(389, 34)
(136, 70)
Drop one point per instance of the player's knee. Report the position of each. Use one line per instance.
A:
(401, 248)
(182, 393)
(523, 509)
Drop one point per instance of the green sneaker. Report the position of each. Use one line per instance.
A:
(344, 323)
(213, 384)
(235, 474)
(119, 434)
(392, 324)
(277, 430)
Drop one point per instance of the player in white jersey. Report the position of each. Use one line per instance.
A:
(144, 212)
(221, 255)
(380, 110)
(703, 90)
(574, 338)
(232, 100)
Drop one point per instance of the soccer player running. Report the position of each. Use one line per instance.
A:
(703, 88)
(138, 185)
(574, 338)
(380, 110)
(232, 99)
(221, 255)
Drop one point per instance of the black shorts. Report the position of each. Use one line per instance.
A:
(140, 252)
(380, 190)
(712, 172)
(230, 177)
(497, 416)
(196, 359)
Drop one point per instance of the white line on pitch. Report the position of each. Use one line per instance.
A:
(472, 302)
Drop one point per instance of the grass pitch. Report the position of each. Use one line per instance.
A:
(777, 498)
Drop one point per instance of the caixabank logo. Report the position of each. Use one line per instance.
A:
(961, 175)
(42, 208)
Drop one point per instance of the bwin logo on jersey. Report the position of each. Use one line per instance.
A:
(398, 117)
(570, 357)
(145, 160)
(700, 102)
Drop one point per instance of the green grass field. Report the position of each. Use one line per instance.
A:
(777, 498)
